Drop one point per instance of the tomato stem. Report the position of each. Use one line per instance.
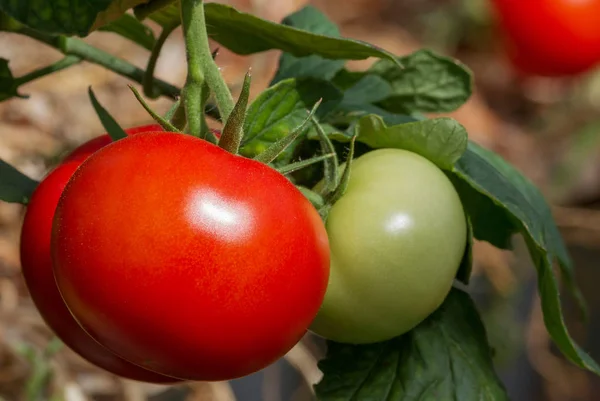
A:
(331, 166)
(148, 80)
(206, 132)
(61, 64)
(341, 188)
(233, 132)
(201, 64)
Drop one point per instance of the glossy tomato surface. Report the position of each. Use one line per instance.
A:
(188, 260)
(37, 268)
(551, 37)
(397, 238)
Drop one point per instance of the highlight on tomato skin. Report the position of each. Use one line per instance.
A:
(551, 38)
(214, 278)
(36, 266)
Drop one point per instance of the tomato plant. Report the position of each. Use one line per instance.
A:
(397, 237)
(36, 264)
(551, 37)
(189, 288)
(204, 255)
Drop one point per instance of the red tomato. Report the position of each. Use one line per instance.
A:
(551, 37)
(37, 268)
(188, 260)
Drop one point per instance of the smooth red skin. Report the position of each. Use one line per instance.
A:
(195, 263)
(551, 37)
(83, 151)
(37, 270)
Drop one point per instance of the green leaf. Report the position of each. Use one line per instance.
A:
(129, 27)
(15, 187)
(108, 122)
(466, 265)
(427, 83)
(447, 357)
(312, 20)
(70, 17)
(441, 140)
(8, 83)
(345, 79)
(368, 89)
(350, 113)
(246, 34)
(166, 16)
(280, 109)
(500, 201)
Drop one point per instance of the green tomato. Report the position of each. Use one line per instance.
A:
(397, 237)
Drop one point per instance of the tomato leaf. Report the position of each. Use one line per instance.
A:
(15, 187)
(447, 357)
(73, 17)
(290, 66)
(129, 27)
(166, 16)
(246, 34)
(500, 202)
(368, 89)
(280, 109)
(427, 83)
(8, 83)
(441, 140)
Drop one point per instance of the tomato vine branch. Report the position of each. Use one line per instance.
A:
(71, 46)
(148, 80)
(61, 64)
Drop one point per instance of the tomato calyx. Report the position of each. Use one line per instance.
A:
(333, 185)
(163, 122)
(230, 138)
(233, 132)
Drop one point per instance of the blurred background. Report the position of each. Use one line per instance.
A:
(549, 128)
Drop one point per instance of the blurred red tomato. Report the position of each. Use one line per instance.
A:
(551, 37)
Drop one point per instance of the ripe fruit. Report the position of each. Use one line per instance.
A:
(37, 268)
(397, 237)
(188, 260)
(551, 37)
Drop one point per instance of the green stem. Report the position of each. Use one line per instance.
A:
(330, 171)
(200, 60)
(203, 100)
(148, 80)
(192, 19)
(63, 63)
(71, 46)
(178, 119)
